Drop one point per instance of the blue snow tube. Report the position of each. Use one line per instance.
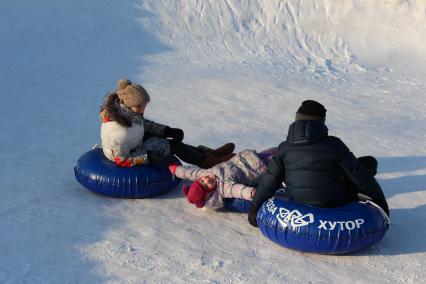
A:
(322, 230)
(237, 205)
(98, 174)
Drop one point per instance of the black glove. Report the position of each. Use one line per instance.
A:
(149, 156)
(174, 133)
(159, 159)
(252, 217)
(386, 209)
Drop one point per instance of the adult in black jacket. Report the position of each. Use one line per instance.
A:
(317, 169)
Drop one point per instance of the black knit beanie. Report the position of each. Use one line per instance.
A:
(311, 110)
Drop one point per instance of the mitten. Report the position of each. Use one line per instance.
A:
(174, 133)
(149, 156)
(172, 168)
(252, 217)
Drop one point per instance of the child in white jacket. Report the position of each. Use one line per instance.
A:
(236, 178)
(128, 139)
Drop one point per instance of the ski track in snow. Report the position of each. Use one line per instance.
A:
(223, 71)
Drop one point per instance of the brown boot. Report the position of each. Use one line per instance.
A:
(221, 151)
(211, 161)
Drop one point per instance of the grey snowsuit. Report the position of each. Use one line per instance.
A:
(236, 178)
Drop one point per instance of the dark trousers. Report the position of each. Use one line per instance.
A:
(370, 164)
(187, 153)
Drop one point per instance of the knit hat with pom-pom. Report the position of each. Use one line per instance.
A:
(196, 193)
(131, 94)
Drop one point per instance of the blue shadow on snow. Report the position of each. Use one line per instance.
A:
(58, 60)
(407, 230)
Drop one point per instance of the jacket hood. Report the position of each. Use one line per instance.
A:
(110, 111)
(306, 132)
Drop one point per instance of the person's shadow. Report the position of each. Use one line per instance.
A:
(400, 176)
(61, 57)
(406, 179)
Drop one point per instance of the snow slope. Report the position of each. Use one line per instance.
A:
(223, 71)
(320, 36)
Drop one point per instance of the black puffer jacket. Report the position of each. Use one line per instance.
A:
(312, 165)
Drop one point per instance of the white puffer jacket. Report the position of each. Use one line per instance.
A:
(124, 145)
(116, 137)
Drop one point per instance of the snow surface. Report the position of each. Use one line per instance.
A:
(223, 71)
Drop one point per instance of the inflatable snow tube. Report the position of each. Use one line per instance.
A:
(322, 230)
(237, 205)
(98, 174)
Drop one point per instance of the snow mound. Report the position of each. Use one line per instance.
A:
(320, 36)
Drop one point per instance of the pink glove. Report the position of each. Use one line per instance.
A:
(172, 168)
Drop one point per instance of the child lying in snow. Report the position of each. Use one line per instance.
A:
(236, 178)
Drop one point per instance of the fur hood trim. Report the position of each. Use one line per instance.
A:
(110, 111)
